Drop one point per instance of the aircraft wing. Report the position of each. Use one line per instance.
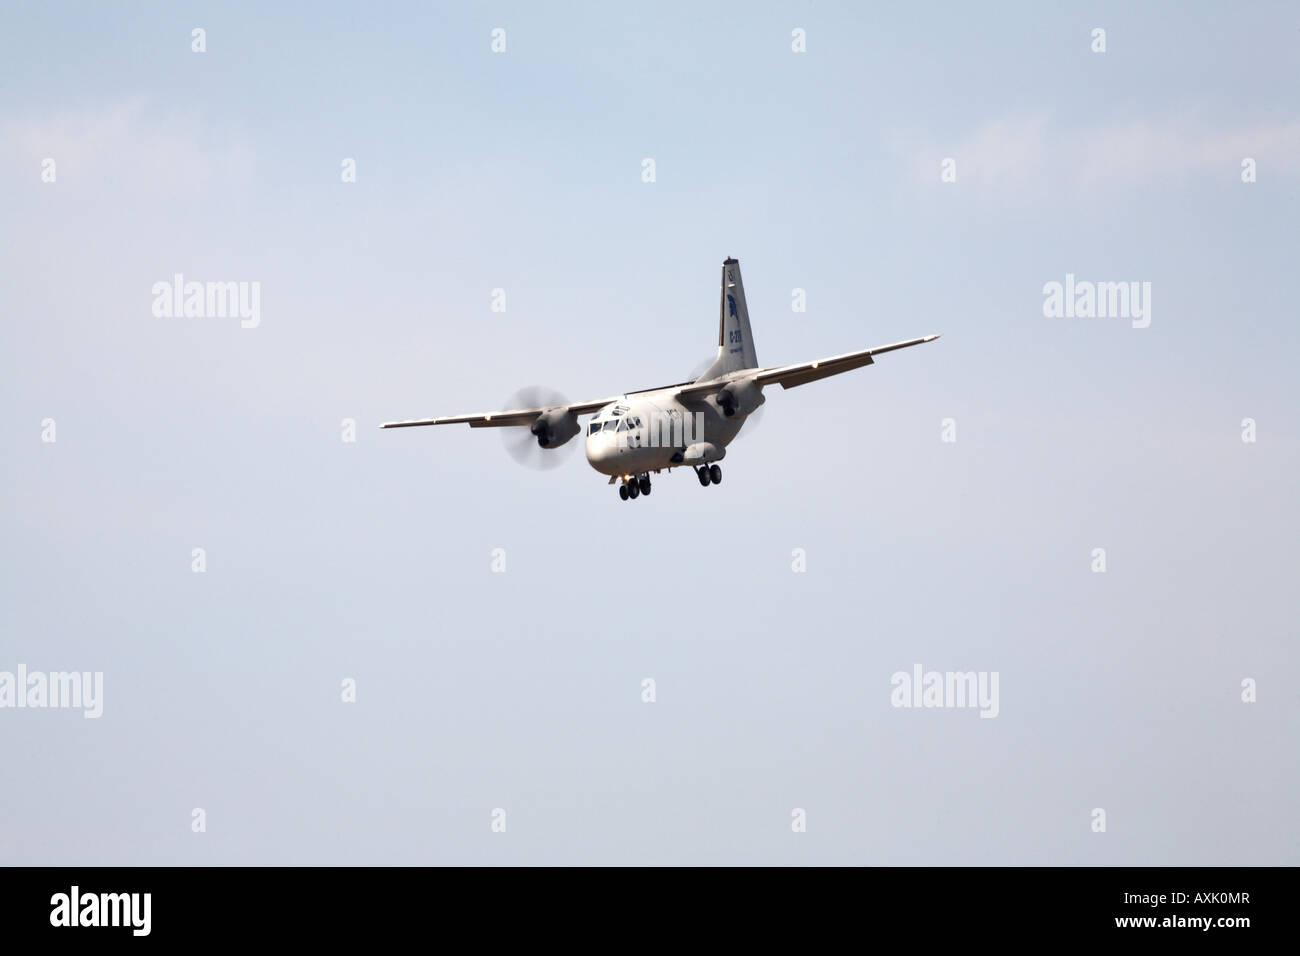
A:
(788, 376)
(517, 416)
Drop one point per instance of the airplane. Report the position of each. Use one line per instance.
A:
(689, 424)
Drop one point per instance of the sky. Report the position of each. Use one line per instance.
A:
(408, 649)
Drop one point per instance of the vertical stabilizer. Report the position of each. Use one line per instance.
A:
(735, 341)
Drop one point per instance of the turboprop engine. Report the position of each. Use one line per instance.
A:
(554, 427)
(740, 398)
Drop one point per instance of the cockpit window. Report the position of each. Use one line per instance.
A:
(622, 424)
(611, 424)
(593, 428)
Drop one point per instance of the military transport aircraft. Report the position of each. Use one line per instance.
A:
(688, 424)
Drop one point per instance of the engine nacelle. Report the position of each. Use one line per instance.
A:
(554, 427)
(700, 453)
(737, 399)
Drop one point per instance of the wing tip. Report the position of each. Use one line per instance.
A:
(411, 423)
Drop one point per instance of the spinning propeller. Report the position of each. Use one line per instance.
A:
(521, 442)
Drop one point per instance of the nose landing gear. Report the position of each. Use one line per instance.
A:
(634, 486)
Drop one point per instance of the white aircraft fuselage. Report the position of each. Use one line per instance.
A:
(652, 431)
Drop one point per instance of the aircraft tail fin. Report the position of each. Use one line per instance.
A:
(735, 341)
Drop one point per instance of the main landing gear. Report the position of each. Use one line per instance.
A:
(634, 487)
(709, 475)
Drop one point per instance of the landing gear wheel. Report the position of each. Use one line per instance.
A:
(715, 474)
(633, 489)
(644, 483)
(703, 474)
(622, 492)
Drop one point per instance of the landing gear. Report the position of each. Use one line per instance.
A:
(709, 475)
(634, 487)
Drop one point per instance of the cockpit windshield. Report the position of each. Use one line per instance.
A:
(616, 419)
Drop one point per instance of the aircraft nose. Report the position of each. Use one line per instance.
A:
(599, 450)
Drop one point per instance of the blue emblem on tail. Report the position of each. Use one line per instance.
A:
(731, 305)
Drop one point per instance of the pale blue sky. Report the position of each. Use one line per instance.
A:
(521, 171)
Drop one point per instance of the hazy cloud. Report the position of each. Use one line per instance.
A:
(1037, 150)
(126, 144)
